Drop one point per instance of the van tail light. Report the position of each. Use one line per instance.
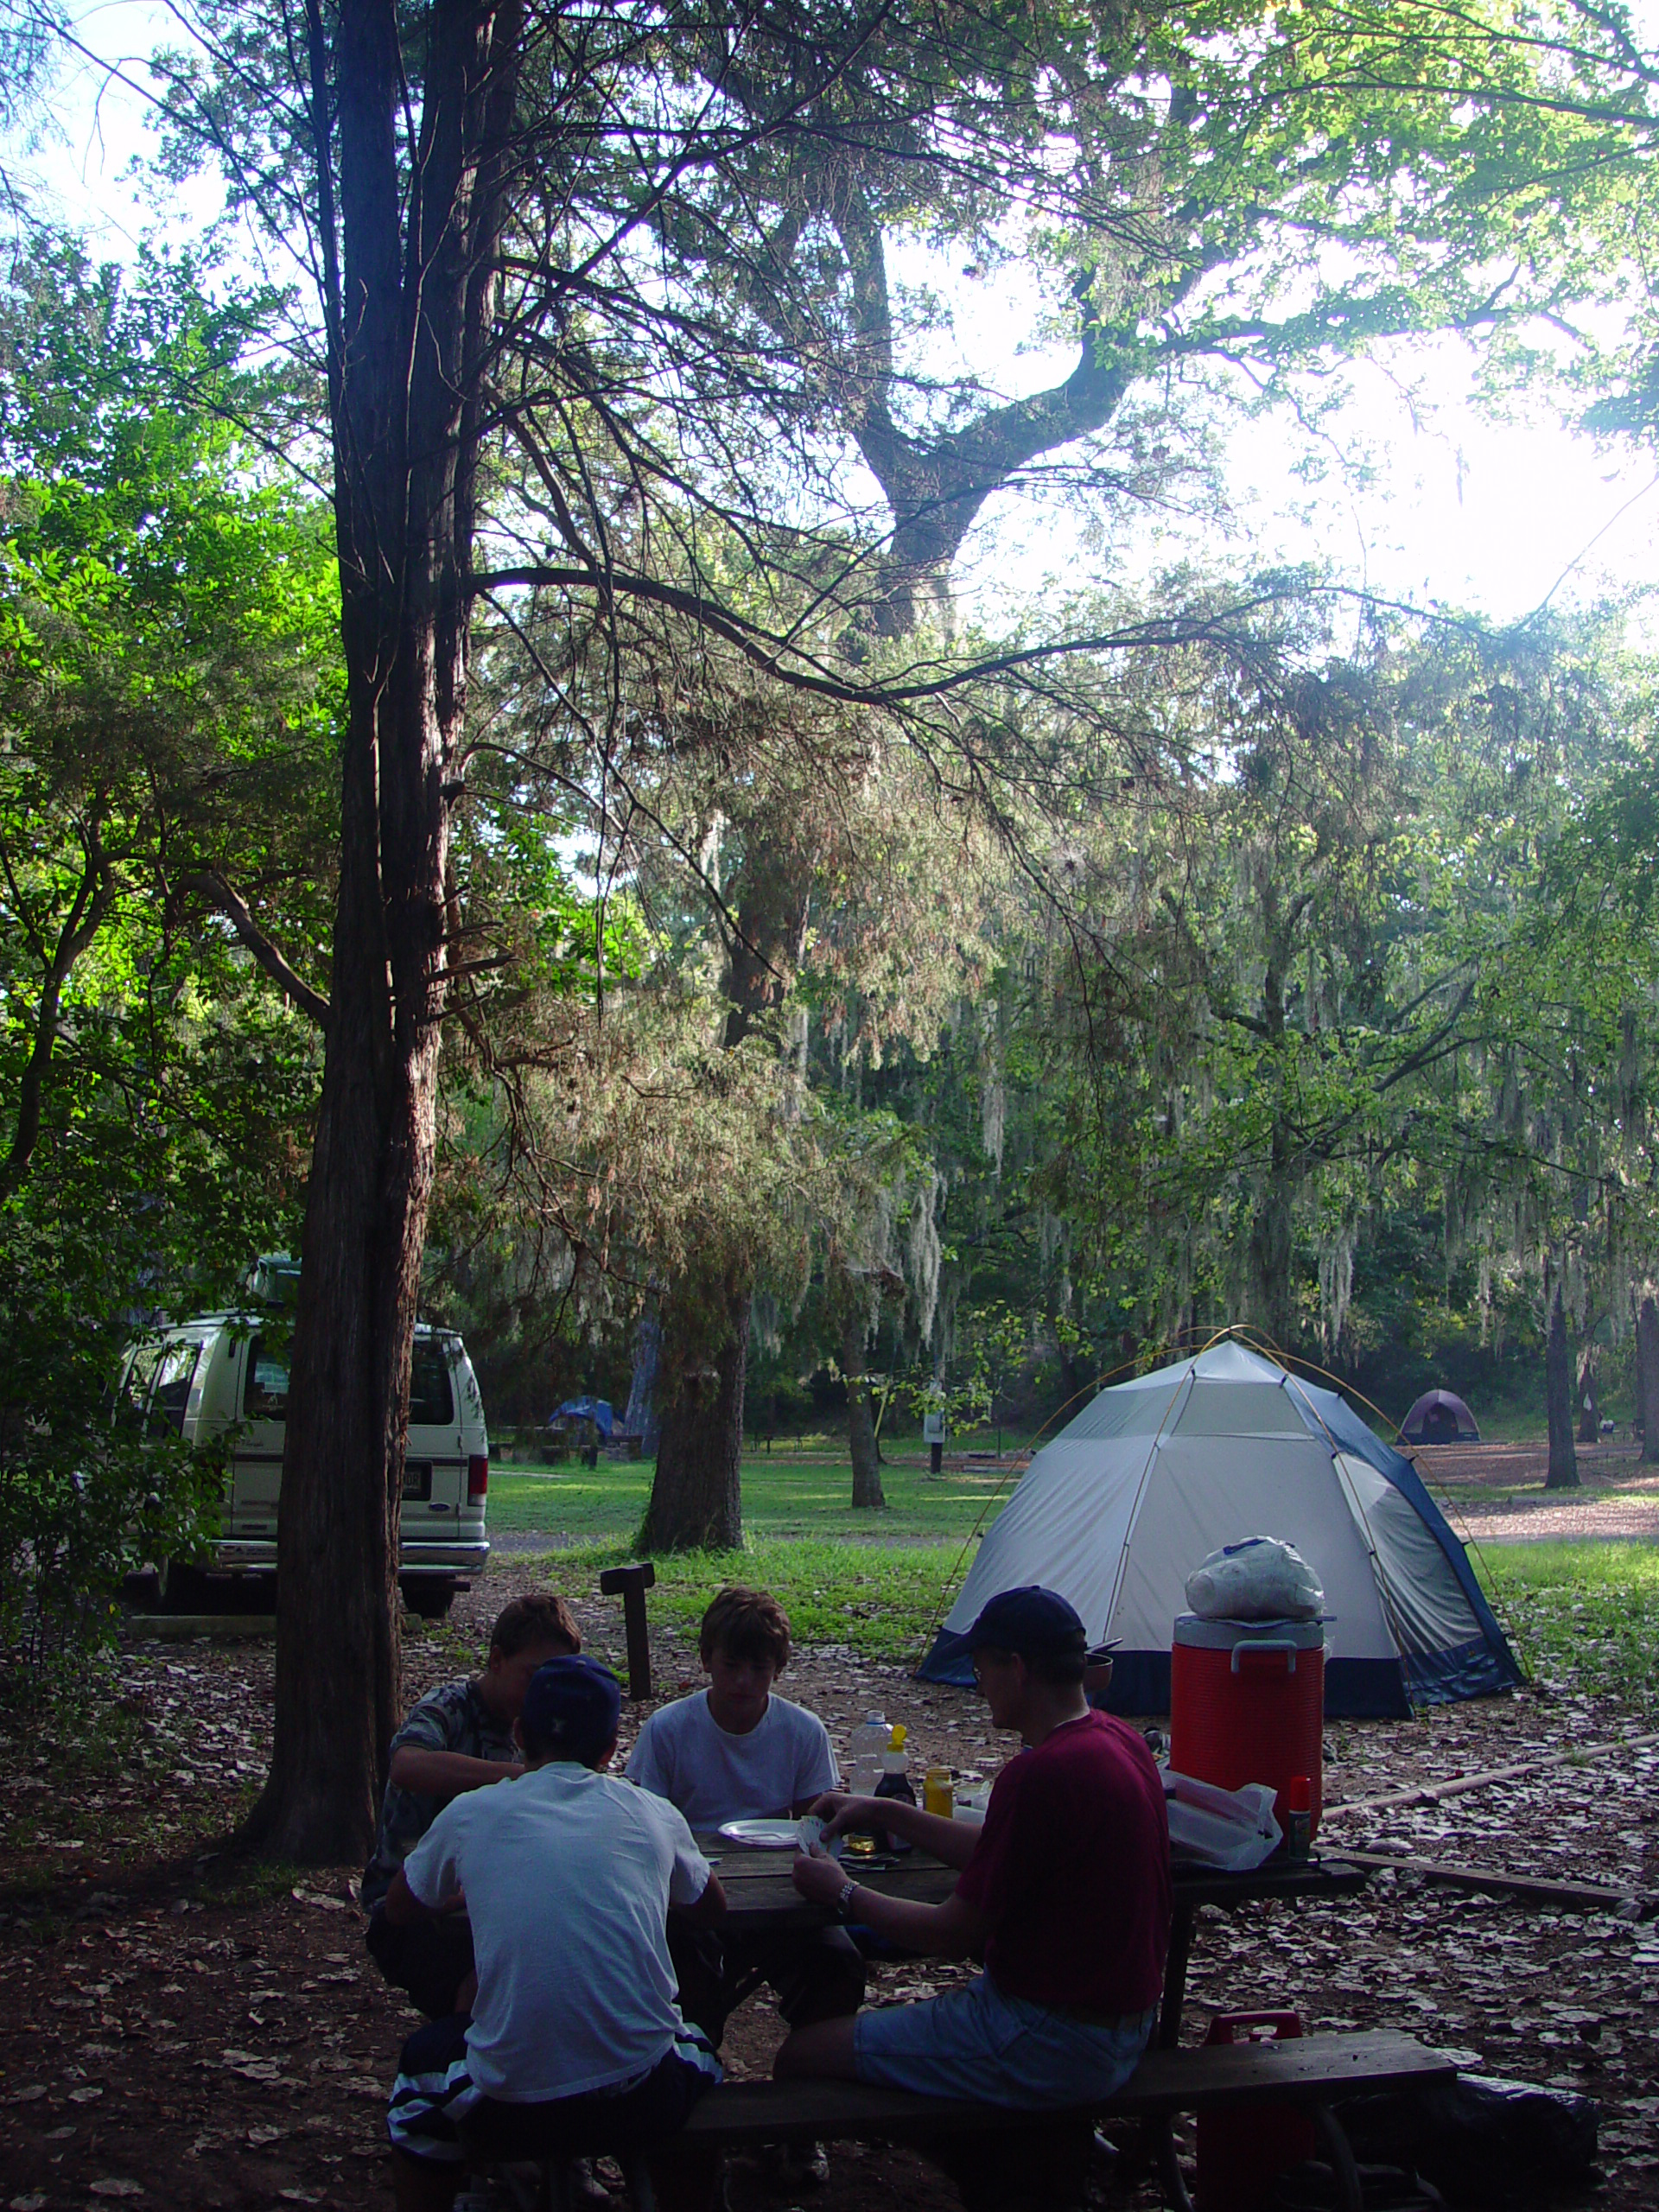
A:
(477, 1476)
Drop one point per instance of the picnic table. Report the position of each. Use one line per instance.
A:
(762, 1898)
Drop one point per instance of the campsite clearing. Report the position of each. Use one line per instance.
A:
(211, 2034)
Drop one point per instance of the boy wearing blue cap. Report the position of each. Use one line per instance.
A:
(1064, 1892)
(458, 1739)
(575, 2042)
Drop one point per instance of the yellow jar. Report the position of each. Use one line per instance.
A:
(938, 1796)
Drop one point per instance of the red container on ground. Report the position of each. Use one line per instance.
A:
(1240, 2153)
(1247, 1704)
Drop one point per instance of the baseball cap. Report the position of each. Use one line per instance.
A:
(1029, 1620)
(571, 1710)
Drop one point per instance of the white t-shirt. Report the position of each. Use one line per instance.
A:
(684, 1755)
(569, 1876)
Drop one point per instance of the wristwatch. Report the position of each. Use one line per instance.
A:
(844, 1902)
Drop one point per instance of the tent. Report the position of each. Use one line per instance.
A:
(1119, 1508)
(1440, 1417)
(596, 1410)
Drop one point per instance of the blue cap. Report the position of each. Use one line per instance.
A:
(1029, 1621)
(571, 1710)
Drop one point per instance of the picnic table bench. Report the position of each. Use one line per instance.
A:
(1310, 2072)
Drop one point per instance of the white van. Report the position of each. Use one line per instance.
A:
(227, 1373)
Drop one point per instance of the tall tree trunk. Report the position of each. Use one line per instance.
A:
(1589, 1403)
(698, 1482)
(94, 895)
(696, 1493)
(861, 1422)
(1641, 1369)
(1647, 1323)
(643, 1418)
(1273, 1225)
(1558, 1395)
(408, 285)
(1271, 1245)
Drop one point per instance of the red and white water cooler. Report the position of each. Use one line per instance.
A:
(1247, 1704)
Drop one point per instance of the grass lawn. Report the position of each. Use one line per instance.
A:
(787, 1494)
(878, 1581)
(1585, 1616)
(883, 1600)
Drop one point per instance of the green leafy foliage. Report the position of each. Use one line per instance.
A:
(85, 1495)
(167, 709)
(167, 700)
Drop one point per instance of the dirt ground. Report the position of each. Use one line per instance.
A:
(1496, 1494)
(179, 2029)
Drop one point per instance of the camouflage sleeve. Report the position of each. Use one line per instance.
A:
(438, 1723)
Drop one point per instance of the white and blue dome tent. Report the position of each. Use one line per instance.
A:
(1116, 1511)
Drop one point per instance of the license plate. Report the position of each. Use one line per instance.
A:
(417, 1478)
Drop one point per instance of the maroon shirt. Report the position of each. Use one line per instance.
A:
(1071, 1872)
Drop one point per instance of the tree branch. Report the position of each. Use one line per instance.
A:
(210, 886)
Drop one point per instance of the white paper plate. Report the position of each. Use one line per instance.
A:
(764, 1835)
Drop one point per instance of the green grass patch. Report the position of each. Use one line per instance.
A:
(789, 1494)
(882, 1600)
(1586, 1616)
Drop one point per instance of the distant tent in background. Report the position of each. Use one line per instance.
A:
(1440, 1417)
(1116, 1511)
(596, 1410)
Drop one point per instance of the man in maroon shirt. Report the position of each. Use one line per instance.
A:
(1064, 1892)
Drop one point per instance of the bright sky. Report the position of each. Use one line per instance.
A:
(1461, 510)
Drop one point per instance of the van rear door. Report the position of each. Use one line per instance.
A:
(435, 1461)
(264, 1415)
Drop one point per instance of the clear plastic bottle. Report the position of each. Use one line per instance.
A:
(864, 1749)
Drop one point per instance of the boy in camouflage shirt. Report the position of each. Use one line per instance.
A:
(458, 1737)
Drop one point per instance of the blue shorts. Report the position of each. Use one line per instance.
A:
(435, 2098)
(1001, 2051)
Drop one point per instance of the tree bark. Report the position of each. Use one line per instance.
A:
(696, 1492)
(1558, 1394)
(408, 305)
(697, 1486)
(861, 1422)
(1647, 1322)
(1589, 1402)
(1272, 1242)
(94, 895)
(643, 1419)
(1273, 1223)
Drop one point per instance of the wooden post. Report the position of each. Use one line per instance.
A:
(632, 1583)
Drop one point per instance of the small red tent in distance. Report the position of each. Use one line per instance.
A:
(1440, 1417)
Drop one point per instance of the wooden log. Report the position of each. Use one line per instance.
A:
(1431, 1793)
(1528, 1889)
(226, 1627)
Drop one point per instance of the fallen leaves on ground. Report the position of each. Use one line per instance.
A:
(182, 2029)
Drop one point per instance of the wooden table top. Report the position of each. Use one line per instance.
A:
(761, 1893)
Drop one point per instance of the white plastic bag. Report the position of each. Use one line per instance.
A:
(1263, 1579)
(1233, 1830)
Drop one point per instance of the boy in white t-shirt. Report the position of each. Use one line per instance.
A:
(738, 1751)
(574, 2045)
